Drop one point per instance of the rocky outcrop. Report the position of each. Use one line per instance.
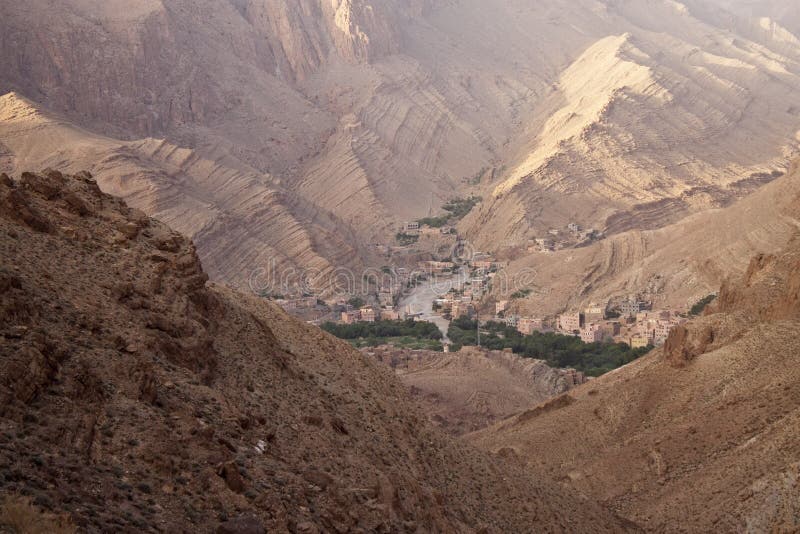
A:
(686, 343)
(474, 388)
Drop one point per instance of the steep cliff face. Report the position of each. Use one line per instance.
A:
(697, 436)
(135, 397)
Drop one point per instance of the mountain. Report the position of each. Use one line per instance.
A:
(638, 134)
(247, 230)
(614, 114)
(137, 397)
(698, 436)
(674, 266)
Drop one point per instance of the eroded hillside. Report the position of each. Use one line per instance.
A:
(673, 266)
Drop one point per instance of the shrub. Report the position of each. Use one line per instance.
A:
(701, 305)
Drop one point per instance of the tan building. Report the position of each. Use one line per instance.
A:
(640, 341)
(569, 322)
(500, 307)
(593, 313)
(390, 315)
(528, 325)
(593, 333)
(350, 317)
(368, 315)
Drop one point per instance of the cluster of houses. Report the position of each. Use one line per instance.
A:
(461, 299)
(303, 303)
(413, 228)
(637, 325)
(652, 327)
(369, 314)
(557, 239)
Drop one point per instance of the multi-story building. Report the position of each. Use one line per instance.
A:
(410, 228)
(368, 315)
(350, 317)
(570, 322)
(632, 307)
(389, 314)
(545, 244)
(641, 340)
(528, 325)
(593, 313)
(592, 333)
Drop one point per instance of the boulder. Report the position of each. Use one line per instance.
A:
(49, 187)
(230, 474)
(77, 204)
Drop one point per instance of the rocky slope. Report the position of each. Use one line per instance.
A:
(135, 397)
(674, 266)
(699, 436)
(635, 129)
(471, 389)
(248, 231)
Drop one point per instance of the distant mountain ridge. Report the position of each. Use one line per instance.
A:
(613, 114)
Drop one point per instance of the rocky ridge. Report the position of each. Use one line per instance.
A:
(473, 388)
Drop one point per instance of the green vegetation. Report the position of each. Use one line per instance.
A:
(460, 207)
(698, 308)
(557, 350)
(435, 222)
(406, 239)
(407, 334)
(457, 209)
(356, 302)
(521, 294)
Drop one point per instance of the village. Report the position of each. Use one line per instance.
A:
(460, 288)
(633, 322)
